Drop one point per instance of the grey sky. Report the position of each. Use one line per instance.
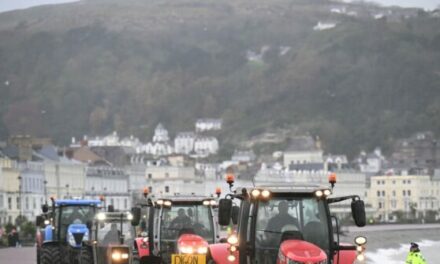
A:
(6, 5)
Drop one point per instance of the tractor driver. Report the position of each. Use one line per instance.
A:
(181, 220)
(112, 236)
(282, 219)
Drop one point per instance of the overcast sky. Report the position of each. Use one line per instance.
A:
(6, 5)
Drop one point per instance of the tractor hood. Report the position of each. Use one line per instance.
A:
(76, 233)
(301, 251)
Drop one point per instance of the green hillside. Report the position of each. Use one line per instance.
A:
(102, 65)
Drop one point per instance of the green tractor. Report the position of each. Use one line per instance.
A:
(112, 239)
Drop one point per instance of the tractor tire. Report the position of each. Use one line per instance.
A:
(38, 256)
(86, 256)
(50, 255)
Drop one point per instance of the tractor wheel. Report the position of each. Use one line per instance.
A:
(50, 255)
(38, 255)
(86, 256)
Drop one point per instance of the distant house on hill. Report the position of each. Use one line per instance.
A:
(207, 124)
(303, 149)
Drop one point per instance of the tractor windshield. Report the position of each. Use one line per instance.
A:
(73, 214)
(283, 218)
(115, 233)
(187, 219)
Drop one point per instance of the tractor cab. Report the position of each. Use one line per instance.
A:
(180, 229)
(284, 224)
(67, 225)
(111, 240)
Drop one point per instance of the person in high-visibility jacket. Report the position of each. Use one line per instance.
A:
(414, 255)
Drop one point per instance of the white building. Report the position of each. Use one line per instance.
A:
(303, 150)
(32, 183)
(243, 156)
(206, 145)
(160, 134)
(111, 182)
(371, 163)
(208, 124)
(184, 142)
(167, 179)
(160, 145)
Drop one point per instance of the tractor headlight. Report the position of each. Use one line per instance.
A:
(202, 250)
(118, 255)
(186, 250)
(101, 216)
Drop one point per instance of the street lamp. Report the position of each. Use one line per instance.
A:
(45, 191)
(19, 195)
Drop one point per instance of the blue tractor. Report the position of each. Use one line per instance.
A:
(66, 226)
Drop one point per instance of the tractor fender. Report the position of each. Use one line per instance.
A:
(48, 233)
(220, 252)
(142, 246)
(345, 256)
(51, 243)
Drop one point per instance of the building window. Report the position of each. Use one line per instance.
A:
(409, 192)
(26, 201)
(378, 182)
(167, 189)
(125, 203)
(1, 201)
(383, 182)
(394, 193)
(112, 201)
(34, 203)
(404, 181)
(18, 203)
(150, 176)
(393, 203)
(404, 193)
(394, 182)
(150, 189)
(380, 205)
(409, 181)
(378, 193)
(9, 203)
(383, 193)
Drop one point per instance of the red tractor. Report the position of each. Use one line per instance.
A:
(179, 229)
(286, 225)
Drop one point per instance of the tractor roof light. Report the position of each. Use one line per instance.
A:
(167, 203)
(265, 194)
(146, 191)
(218, 191)
(160, 202)
(319, 193)
(213, 203)
(360, 240)
(100, 216)
(231, 258)
(255, 193)
(206, 202)
(129, 216)
(327, 192)
(332, 179)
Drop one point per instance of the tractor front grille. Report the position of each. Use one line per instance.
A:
(78, 237)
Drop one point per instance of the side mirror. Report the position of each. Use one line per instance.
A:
(136, 212)
(358, 213)
(224, 211)
(39, 221)
(234, 214)
(45, 208)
